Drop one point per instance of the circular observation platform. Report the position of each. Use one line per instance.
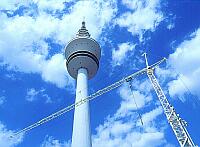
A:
(82, 52)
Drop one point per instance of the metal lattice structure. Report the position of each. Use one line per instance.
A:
(178, 125)
(89, 98)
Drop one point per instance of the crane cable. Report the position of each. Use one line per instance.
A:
(137, 109)
(82, 101)
(89, 98)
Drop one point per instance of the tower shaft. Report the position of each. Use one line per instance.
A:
(81, 127)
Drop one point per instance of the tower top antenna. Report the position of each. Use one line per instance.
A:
(82, 52)
(83, 32)
(83, 22)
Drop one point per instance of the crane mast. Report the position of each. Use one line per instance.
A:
(178, 125)
(86, 99)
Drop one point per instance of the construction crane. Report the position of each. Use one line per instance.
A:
(89, 98)
(178, 125)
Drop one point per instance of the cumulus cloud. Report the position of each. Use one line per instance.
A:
(23, 39)
(51, 142)
(115, 133)
(119, 55)
(55, 72)
(5, 137)
(51, 4)
(2, 100)
(23, 48)
(151, 115)
(125, 129)
(144, 15)
(33, 95)
(185, 60)
(12, 4)
(141, 16)
(130, 99)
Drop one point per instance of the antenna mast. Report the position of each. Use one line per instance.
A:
(178, 125)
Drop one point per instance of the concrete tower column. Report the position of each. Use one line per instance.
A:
(81, 128)
(82, 55)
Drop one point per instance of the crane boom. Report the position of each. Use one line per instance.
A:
(178, 125)
(89, 98)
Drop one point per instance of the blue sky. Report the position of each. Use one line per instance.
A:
(35, 83)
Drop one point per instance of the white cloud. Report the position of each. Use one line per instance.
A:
(5, 137)
(185, 60)
(51, 4)
(143, 16)
(51, 142)
(25, 50)
(119, 55)
(125, 129)
(151, 115)
(150, 139)
(102, 14)
(2, 100)
(177, 89)
(42, 5)
(33, 95)
(12, 4)
(115, 133)
(54, 71)
(164, 73)
(119, 128)
(23, 45)
(130, 98)
(170, 26)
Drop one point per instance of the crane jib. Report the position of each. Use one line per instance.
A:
(178, 125)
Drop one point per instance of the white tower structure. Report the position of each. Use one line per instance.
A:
(82, 60)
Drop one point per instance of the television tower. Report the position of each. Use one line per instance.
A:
(82, 60)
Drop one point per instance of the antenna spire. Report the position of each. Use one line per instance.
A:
(83, 32)
(83, 22)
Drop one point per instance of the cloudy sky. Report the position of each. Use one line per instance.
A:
(34, 82)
